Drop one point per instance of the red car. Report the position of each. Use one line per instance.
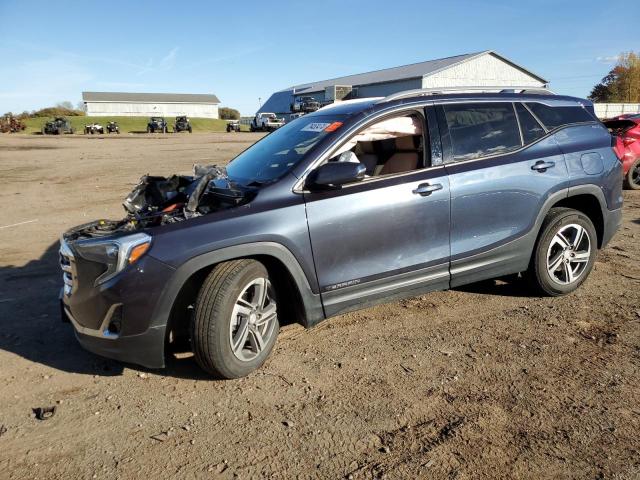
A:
(626, 129)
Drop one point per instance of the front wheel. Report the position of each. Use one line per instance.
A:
(632, 178)
(235, 322)
(564, 253)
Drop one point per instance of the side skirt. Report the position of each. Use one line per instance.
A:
(387, 289)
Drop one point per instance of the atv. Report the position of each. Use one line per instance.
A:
(233, 126)
(112, 127)
(157, 124)
(57, 126)
(182, 124)
(11, 124)
(93, 128)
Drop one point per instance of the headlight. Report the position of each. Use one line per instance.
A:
(114, 254)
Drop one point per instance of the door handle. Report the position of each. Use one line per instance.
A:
(425, 189)
(542, 166)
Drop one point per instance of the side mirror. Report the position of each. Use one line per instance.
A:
(336, 174)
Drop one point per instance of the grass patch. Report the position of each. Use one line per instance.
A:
(127, 124)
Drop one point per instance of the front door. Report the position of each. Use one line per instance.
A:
(380, 238)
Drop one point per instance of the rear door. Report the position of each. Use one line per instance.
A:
(502, 167)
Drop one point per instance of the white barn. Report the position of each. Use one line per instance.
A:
(121, 104)
(486, 68)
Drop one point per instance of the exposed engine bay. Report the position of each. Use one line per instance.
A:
(159, 200)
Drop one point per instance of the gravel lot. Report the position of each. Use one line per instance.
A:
(484, 381)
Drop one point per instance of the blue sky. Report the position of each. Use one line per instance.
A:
(245, 50)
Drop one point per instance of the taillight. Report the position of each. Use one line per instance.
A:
(618, 146)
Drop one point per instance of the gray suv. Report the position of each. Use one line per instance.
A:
(361, 202)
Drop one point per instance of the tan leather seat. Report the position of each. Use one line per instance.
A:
(405, 159)
(368, 156)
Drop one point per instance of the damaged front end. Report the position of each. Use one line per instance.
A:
(109, 311)
(159, 200)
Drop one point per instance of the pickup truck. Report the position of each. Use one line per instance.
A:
(266, 121)
(305, 105)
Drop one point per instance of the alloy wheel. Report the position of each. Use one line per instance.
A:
(253, 319)
(568, 254)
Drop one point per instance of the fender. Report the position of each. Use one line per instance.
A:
(311, 301)
(590, 189)
(611, 219)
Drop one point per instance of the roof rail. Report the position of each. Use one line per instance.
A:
(459, 89)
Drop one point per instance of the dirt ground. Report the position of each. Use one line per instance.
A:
(484, 381)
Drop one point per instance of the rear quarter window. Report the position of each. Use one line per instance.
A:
(554, 117)
(531, 129)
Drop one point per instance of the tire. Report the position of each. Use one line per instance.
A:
(218, 319)
(632, 178)
(59, 131)
(556, 246)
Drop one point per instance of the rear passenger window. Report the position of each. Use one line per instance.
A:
(554, 117)
(531, 129)
(478, 130)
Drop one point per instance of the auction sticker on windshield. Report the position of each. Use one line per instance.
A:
(315, 127)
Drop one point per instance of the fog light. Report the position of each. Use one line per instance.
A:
(115, 322)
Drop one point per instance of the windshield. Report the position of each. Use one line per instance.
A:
(280, 151)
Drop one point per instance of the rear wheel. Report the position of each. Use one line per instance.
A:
(235, 322)
(632, 178)
(565, 252)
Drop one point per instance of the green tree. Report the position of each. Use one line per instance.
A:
(622, 83)
(227, 113)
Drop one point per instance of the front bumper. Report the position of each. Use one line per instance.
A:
(145, 349)
(117, 319)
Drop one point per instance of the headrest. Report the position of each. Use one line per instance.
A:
(405, 143)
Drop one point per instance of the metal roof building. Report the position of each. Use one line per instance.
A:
(471, 69)
(103, 104)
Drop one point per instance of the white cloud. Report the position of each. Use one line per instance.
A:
(231, 56)
(168, 61)
(608, 59)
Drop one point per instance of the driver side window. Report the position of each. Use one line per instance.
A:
(388, 147)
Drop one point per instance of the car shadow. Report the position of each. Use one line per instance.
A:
(30, 321)
(511, 286)
(32, 328)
